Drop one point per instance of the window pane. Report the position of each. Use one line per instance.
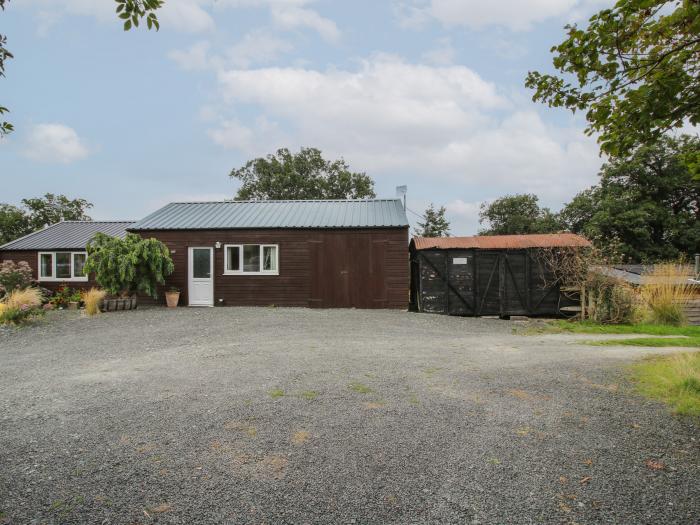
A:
(251, 258)
(270, 258)
(201, 264)
(63, 264)
(46, 265)
(233, 258)
(79, 264)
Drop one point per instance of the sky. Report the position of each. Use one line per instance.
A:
(424, 93)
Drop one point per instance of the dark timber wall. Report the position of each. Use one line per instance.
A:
(325, 268)
(32, 258)
(474, 282)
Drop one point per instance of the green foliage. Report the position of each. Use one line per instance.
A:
(14, 276)
(303, 175)
(434, 224)
(14, 223)
(655, 342)
(673, 379)
(646, 205)
(128, 265)
(39, 212)
(133, 11)
(50, 209)
(591, 327)
(518, 214)
(634, 69)
(5, 127)
(64, 295)
(18, 315)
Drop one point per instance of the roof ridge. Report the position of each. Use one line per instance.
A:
(268, 201)
(93, 222)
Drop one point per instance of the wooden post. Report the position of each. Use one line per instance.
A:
(583, 302)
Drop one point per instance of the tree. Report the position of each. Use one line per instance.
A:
(647, 205)
(14, 223)
(303, 175)
(130, 11)
(635, 68)
(434, 223)
(129, 265)
(517, 214)
(38, 213)
(50, 209)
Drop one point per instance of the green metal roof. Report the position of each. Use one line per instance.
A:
(366, 213)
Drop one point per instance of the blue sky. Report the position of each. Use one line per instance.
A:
(427, 93)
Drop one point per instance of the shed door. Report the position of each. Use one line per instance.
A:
(347, 271)
(488, 279)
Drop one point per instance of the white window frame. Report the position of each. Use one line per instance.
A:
(240, 259)
(53, 277)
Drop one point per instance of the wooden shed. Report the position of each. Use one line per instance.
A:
(487, 275)
(322, 254)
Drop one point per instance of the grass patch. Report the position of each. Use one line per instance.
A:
(309, 395)
(276, 393)
(659, 342)
(360, 388)
(673, 379)
(589, 327)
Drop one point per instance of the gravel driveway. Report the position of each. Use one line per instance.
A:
(242, 415)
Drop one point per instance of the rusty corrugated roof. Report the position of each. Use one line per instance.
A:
(501, 242)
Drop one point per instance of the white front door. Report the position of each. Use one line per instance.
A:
(201, 277)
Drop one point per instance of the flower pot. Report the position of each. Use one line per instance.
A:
(172, 298)
(73, 305)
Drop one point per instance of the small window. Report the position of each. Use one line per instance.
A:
(251, 259)
(233, 258)
(63, 265)
(201, 260)
(269, 258)
(79, 264)
(46, 265)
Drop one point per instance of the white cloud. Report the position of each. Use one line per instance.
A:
(463, 216)
(257, 47)
(195, 58)
(441, 55)
(185, 15)
(54, 143)
(516, 15)
(391, 117)
(292, 17)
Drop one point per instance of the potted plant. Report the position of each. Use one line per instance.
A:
(74, 300)
(128, 266)
(172, 296)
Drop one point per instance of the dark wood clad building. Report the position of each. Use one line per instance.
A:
(486, 275)
(326, 254)
(56, 254)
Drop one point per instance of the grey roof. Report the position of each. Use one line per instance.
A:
(637, 274)
(67, 235)
(367, 213)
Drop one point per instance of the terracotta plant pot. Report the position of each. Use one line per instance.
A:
(73, 305)
(172, 298)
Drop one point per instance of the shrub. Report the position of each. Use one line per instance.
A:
(665, 291)
(29, 297)
(92, 299)
(129, 265)
(14, 276)
(19, 305)
(64, 295)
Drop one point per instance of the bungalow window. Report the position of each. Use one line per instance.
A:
(62, 266)
(251, 259)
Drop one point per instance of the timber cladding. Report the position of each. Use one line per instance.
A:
(324, 268)
(474, 282)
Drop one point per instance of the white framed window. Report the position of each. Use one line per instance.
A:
(251, 259)
(62, 266)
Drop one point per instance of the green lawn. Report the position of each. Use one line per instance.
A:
(588, 327)
(686, 342)
(673, 379)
